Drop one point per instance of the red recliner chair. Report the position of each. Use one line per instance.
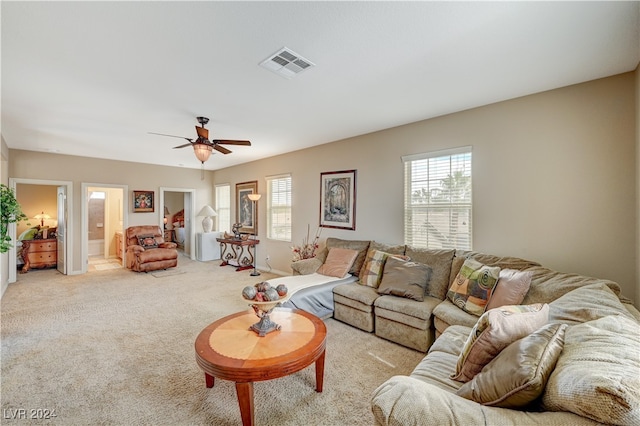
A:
(146, 250)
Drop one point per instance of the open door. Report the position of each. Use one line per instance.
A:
(62, 229)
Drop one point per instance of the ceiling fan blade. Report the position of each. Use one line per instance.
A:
(231, 142)
(221, 149)
(171, 136)
(202, 132)
(182, 146)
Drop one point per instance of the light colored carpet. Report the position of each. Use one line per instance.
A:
(117, 348)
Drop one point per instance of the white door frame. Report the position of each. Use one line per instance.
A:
(13, 184)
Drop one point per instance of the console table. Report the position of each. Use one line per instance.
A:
(39, 254)
(238, 253)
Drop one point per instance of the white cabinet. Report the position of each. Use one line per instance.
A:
(207, 248)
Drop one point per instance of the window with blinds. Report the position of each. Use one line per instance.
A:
(223, 207)
(437, 199)
(279, 207)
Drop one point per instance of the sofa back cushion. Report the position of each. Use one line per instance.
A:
(597, 374)
(440, 263)
(586, 303)
(548, 285)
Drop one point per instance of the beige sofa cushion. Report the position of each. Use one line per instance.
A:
(598, 373)
(585, 304)
(548, 285)
(449, 314)
(518, 375)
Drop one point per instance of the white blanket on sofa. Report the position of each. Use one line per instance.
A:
(312, 293)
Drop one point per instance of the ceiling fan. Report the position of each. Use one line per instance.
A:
(202, 146)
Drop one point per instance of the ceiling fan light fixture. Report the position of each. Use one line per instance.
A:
(202, 151)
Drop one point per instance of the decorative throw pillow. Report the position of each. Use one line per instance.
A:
(147, 241)
(404, 279)
(495, 330)
(597, 373)
(371, 272)
(472, 287)
(519, 374)
(511, 288)
(338, 262)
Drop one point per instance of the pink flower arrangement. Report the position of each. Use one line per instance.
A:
(308, 249)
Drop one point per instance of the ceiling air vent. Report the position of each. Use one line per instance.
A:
(286, 63)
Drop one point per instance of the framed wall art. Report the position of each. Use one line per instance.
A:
(142, 201)
(338, 199)
(247, 210)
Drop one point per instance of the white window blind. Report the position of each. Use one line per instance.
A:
(437, 200)
(279, 207)
(223, 207)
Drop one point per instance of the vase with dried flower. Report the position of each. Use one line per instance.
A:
(307, 249)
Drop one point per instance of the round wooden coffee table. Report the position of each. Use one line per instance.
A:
(229, 350)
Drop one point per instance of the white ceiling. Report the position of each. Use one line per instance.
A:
(93, 78)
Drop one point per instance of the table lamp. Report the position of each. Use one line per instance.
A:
(42, 216)
(207, 223)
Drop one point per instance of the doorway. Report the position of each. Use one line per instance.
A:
(50, 200)
(103, 217)
(179, 201)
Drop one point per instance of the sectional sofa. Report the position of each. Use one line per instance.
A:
(577, 363)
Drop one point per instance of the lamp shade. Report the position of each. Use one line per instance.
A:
(254, 197)
(42, 216)
(207, 211)
(202, 151)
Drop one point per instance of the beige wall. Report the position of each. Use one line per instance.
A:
(553, 179)
(137, 176)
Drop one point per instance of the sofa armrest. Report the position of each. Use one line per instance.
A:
(404, 400)
(306, 266)
(168, 245)
(134, 248)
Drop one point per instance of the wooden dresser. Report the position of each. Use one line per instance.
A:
(39, 254)
(119, 246)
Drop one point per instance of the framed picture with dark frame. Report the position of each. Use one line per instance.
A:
(338, 199)
(247, 210)
(143, 201)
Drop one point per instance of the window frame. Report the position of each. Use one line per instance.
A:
(451, 227)
(274, 202)
(223, 211)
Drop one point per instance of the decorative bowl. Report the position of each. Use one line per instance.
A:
(262, 311)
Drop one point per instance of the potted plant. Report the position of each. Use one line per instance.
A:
(10, 212)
